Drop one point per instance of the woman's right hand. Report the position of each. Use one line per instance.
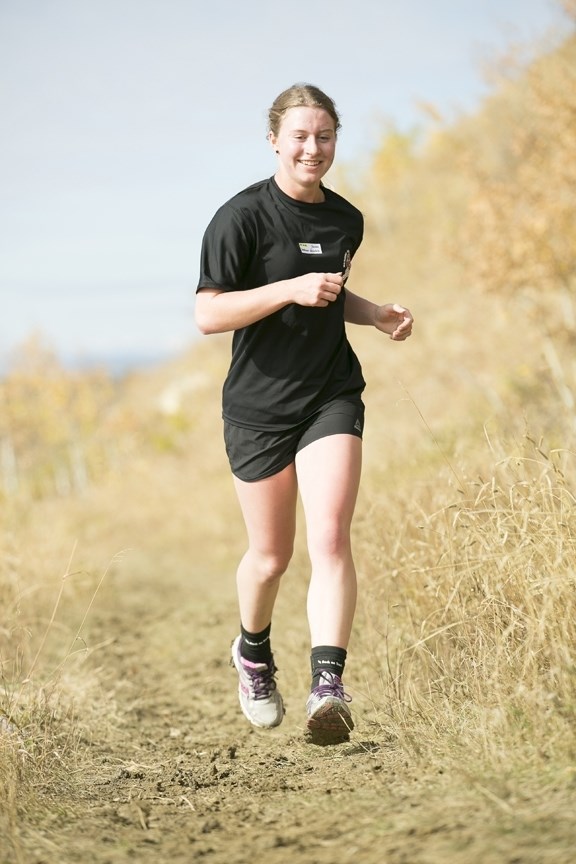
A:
(219, 311)
(316, 289)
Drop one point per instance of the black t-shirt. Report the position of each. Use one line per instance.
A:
(288, 365)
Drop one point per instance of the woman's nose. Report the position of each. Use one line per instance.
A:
(311, 145)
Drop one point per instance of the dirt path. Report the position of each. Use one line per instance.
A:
(173, 773)
(178, 775)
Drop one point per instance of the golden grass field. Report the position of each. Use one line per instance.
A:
(120, 735)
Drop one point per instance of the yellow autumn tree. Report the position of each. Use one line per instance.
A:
(520, 231)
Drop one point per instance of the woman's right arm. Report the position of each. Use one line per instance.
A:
(219, 311)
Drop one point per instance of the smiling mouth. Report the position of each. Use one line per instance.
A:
(309, 163)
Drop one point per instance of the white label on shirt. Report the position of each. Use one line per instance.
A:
(310, 248)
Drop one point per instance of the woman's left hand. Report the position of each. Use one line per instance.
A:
(395, 320)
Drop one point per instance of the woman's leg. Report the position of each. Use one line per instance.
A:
(328, 477)
(269, 510)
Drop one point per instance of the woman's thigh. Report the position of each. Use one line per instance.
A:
(269, 510)
(328, 473)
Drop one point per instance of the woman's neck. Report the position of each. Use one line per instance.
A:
(307, 194)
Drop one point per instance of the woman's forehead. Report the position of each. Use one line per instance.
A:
(307, 118)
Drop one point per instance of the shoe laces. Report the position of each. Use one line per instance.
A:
(332, 686)
(262, 679)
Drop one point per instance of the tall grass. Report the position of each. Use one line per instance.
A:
(469, 613)
(49, 698)
(467, 545)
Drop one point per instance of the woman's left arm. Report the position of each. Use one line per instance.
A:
(390, 318)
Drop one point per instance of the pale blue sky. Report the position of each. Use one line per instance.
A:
(126, 123)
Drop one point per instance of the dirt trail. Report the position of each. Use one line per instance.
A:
(184, 777)
(174, 773)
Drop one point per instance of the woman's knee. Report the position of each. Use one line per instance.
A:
(271, 566)
(331, 540)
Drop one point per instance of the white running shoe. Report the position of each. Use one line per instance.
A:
(259, 698)
(329, 717)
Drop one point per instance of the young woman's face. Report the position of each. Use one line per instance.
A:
(306, 144)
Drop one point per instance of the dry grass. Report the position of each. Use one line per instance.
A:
(50, 698)
(471, 610)
(465, 639)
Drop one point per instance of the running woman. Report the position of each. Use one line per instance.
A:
(275, 260)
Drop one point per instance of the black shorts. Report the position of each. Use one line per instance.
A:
(254, 455)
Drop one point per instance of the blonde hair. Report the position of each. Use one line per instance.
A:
(300, 96)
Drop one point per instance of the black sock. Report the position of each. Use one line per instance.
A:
(256, 646)
(326, 658)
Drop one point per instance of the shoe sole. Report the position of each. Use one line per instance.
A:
(330, 725)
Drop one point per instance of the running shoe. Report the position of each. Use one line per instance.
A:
(259, 698)
(329, 717)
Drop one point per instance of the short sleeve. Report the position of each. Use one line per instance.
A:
(227, 250)
(360, 233)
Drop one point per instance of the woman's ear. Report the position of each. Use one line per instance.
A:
(273, 143)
